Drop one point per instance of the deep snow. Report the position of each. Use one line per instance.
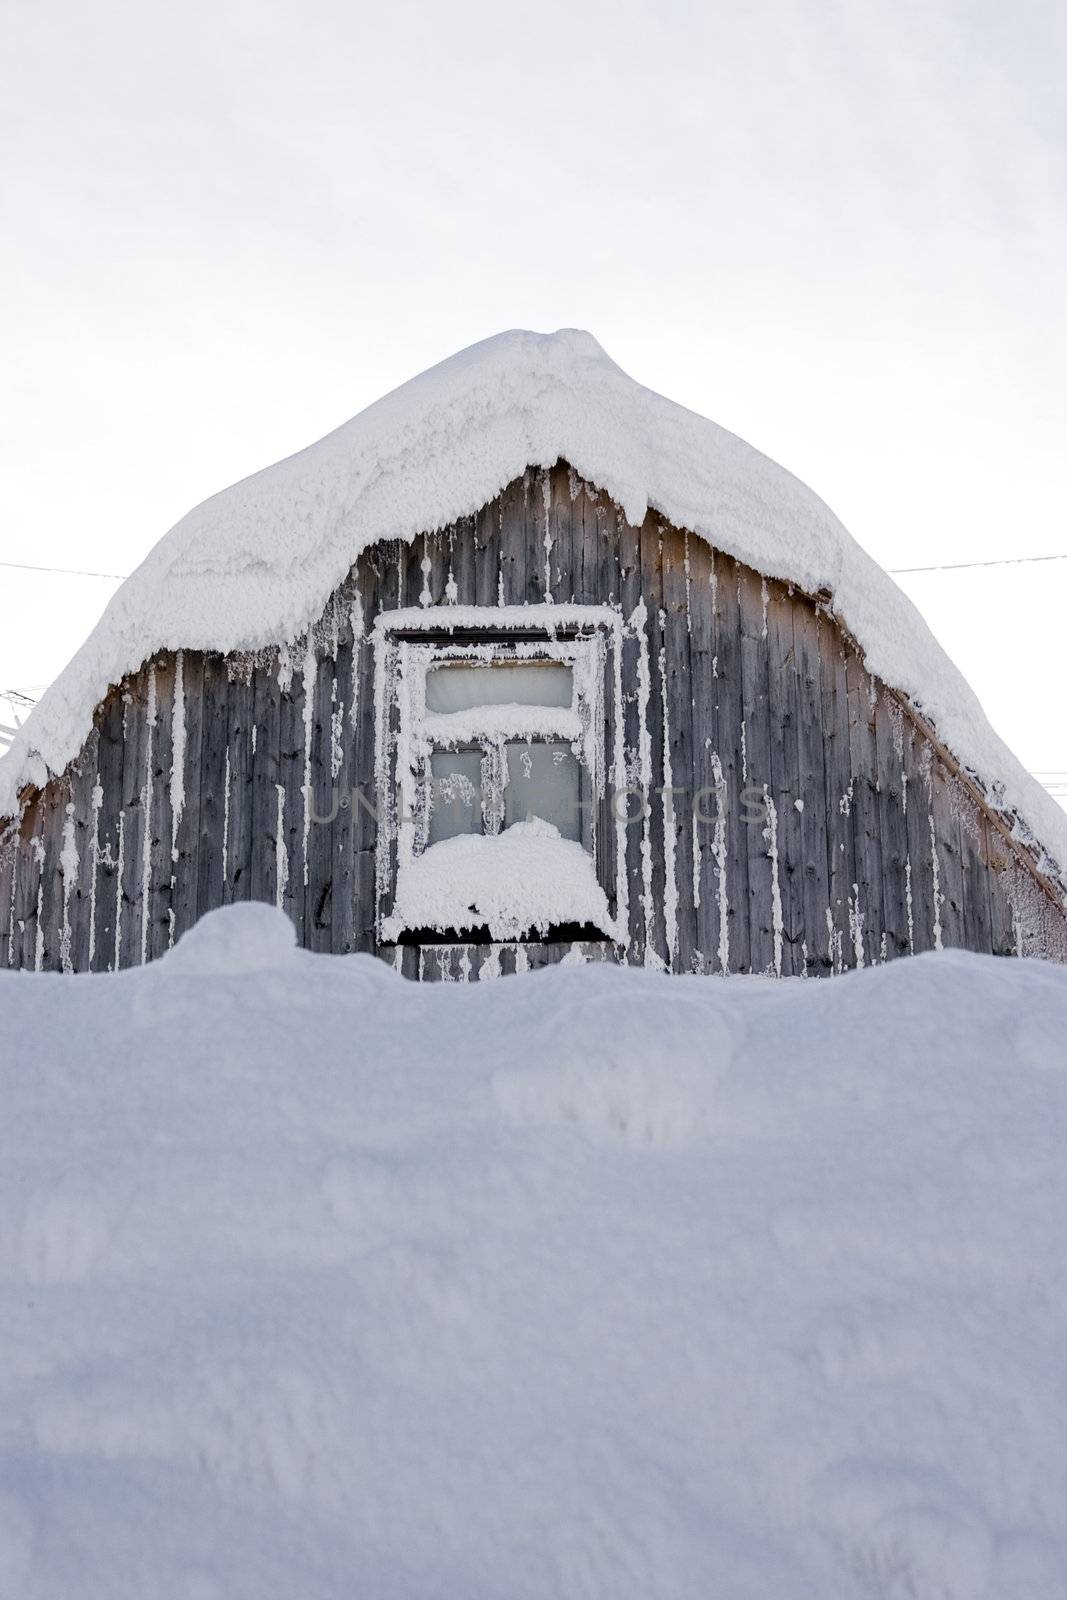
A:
(254, 565)
(594, 1283)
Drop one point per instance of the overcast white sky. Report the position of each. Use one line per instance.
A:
(838, 228)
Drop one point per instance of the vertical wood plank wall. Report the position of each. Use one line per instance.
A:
(816, 828)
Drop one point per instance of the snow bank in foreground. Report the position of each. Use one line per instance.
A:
(255, 564)
(317, 1284)
(525, 879)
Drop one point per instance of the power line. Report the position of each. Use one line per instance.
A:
(955, 566)
(70, 572)
(896, 572)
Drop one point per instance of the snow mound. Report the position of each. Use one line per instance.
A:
(255, 564)
(597, 1282)
(244, 938)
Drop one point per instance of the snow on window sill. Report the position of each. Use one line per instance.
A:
(527, 879)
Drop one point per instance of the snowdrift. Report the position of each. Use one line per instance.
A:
(315, 1284)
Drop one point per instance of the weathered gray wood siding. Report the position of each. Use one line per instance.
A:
(831, 830)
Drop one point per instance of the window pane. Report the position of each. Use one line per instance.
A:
(543, 782)
(455, 799)
(526, 683)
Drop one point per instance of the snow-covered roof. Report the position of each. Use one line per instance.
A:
(255, 564)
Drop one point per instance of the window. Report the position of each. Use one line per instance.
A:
(491, 764)
(501, 736)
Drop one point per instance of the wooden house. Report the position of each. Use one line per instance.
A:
(523, 664)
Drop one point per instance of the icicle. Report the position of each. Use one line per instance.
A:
(97, 802)
(177, 746)
(311, 667)
(907, 892)
(451, 587)
(146, 815)
(833, 943)
(358, 630)
(11, 918)
(425, 596)
(490, 967)
(384, 698)
(670, 863)
(855, 926)
(68, 865)
(285, 669)
(744, 752)
(618, 779)
(337, 728)
(718, 850)
(281, 858)
(698, 851)
(638, 618)
(546, 496)
(522, 960)
(896, 723)
(764, 597)
(937, 884)
(688, 585)
(226, 822)
(770, 833)
(115, 963)
(334, 639)
(37, 845)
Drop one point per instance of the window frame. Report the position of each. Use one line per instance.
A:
(490, 736)
(409, 644)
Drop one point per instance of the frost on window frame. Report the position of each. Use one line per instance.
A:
(412, 738)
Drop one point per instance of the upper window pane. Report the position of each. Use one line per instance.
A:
(525, 683)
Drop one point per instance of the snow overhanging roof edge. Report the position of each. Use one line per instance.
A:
(255, 564)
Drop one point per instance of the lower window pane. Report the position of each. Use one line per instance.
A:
(455, 797)
(543, 781)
